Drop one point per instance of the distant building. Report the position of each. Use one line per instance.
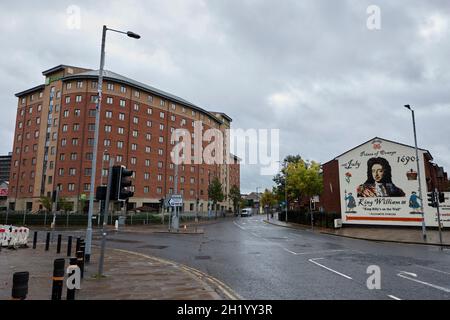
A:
(5, 167)
(376, 183)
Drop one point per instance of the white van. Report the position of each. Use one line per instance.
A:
(246, 212)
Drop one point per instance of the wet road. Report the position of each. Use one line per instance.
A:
(263, 261)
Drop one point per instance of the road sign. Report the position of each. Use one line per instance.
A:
(176, 200)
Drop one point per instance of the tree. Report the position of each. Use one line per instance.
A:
(280, 180)
(304, 179)
(268, 198)
(235, 196)
(65, 205)
(46, 203)
(215, 193)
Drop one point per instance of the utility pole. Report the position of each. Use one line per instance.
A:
(436, 195)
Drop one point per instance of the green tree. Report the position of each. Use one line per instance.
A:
(280, 180)
(268, 198)
(235, 196)
(65, 205)
(46, 203)
(304, 179)
(215, 193)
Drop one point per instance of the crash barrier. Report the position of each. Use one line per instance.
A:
(13, 237)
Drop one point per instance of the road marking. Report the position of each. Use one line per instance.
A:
(329, 269)
(239, 226)
(393, 297)
(402, 275)
(255, 234)
(294, 253)
(323, 251)
(428, 268)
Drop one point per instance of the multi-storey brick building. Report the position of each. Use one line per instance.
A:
(54, 136)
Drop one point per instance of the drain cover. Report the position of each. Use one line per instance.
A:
(153, 247)
(202, 257)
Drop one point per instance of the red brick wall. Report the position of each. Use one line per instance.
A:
(330, 199)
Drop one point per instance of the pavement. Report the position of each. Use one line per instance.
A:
(391, 234)
(128, 275)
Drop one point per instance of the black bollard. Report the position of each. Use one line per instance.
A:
(58, 245)
(35, 239)
(58, 278)
(71, 293)
(77, 248)
(20, 285)
(69, 246)
(47, 241)
(80, 262)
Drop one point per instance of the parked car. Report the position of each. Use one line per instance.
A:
(246, 212)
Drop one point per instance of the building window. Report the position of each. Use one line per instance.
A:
(39, 108)
(133, 160)
(90, 142)
(77, 112)
(119, 158)
(108, 114)
(69, 86)
(119, 144)
(109, 100)
(92, 112)
(94, 85)
(160, 152)
(94, 99)
(159, 177)
(158, 190)
(146, 189)
(107, 143)
(24, 100)
(160, 164)
(67, 100)
(161, 115)
(73, 156)
(63, 142)
(122, 116)
(76, 127)
(108, 128)
(61, 172)
(80, 84)
(71, 186)
(147, 149)
(75, 141)
(64, 128)
(87, 172)
(123, 89)
(72, 172)
(78, 99)
(135, 120)
(110, 86)
(172, 117)
(161, 126)
(147, 162)
(148, 136)
(135, 133)
(91, 127)
(58, 94)
(136, 107)
(174, 107)
(87, 187)
(149, 111)
(134, 146)
(122, 103)
(137, 94)
(149, 123)
(89, 156)
(120, 130)
(146, 176)
(161, 139)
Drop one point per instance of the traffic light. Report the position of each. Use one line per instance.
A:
(121, 179)
(431, 199)
(441, 197)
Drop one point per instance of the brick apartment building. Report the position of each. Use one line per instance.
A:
(54, 136)
(346, 175)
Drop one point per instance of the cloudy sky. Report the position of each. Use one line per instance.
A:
(311, 68)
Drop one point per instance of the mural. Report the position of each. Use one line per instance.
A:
(379, 185)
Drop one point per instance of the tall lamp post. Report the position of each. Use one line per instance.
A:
(407, 106)
(259, 199)
(97, 124)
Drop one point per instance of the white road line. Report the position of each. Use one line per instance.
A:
(255, 235)
(432, 269)
(402, 275)
(294, 253)
(393, 297)
(239, 226)
(323, 251)
(329, 269)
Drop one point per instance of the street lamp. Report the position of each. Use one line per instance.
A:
(97, 124)
(407, 106)
(259, 203)
(285, 192)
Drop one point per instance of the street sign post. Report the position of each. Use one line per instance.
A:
(175, 200)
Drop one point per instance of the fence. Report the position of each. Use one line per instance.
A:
(24, 218)
(321, 219)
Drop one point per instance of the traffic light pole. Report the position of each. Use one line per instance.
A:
(436, 197)
(105, 218)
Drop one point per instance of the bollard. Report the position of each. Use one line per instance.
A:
(58, 278)
(35, 239)
(77, 248)
(58, 245)
(71, 292)
(80, 262)
(47, 241)
(69, 246)
(20, 285)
